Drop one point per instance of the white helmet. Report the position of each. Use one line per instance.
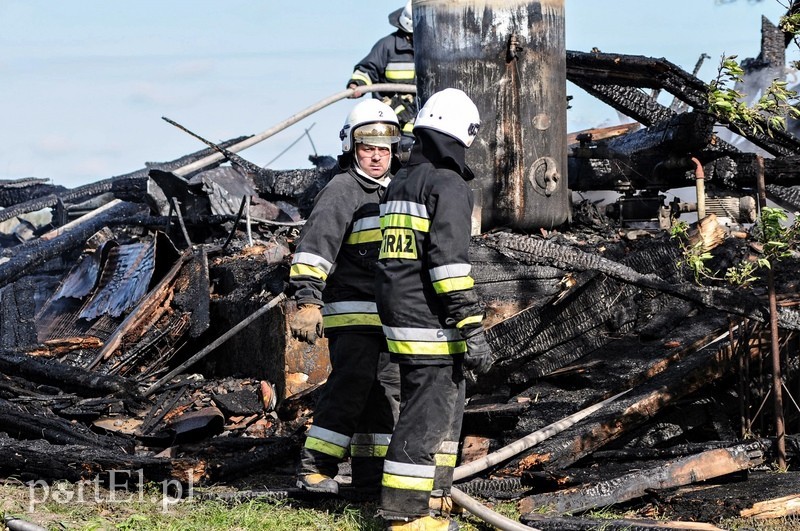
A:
(370, 122)
(401, 18)
(451, 112)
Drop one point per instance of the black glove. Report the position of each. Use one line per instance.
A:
(405, 107)
(479, 356)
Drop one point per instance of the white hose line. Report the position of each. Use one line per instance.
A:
(484, 513)
(255, 139)
(507, 452)
(487, 515)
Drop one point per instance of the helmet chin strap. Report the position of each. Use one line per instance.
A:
(380, 180)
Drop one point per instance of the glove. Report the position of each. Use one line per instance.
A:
(306, 323)
(407, 105)
(479, 356)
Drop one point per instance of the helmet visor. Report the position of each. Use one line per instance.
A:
(377, 134)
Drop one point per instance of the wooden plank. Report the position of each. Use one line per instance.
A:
(692, 469)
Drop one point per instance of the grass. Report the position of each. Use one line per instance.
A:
(145, 511)
(134, 511)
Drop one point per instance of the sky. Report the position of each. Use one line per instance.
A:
(84, 83)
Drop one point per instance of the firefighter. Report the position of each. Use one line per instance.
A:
(431, 315)
(391, 60)
(332, 280)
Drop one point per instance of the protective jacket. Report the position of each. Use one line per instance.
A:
(424, 289)
(391, 60)
(334, 262)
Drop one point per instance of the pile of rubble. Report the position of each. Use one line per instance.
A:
(143, 329)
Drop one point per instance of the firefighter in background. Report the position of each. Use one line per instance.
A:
(391, 60)
(332, 279)
(431, 315)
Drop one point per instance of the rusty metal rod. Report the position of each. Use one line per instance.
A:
(777, 387)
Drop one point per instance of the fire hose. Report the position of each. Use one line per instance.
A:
(255, 139)
(484, 513)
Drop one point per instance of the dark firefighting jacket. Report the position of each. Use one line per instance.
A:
(334, 262)
(391, 60)
(424, 289)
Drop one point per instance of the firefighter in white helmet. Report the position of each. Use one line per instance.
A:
(430, 312)
(391, 60)
(332, 279)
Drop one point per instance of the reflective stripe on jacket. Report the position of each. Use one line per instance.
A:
(391, 60)
(424, 289)
(334, 262)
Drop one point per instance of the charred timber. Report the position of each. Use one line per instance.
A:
(35, 423)
(632, 410)
(26, 257)
(40, 460)
(565, 523)
(121, 184)
(66, 377)
(696, 468)
(18, 190)
(522, 184)
(589, 69)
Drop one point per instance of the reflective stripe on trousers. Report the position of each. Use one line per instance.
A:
(423, 451)
(353, 400)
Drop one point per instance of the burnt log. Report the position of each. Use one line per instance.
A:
(280, 452)
(545, 523)
(639, 406)
(120, 185)
(26, 257)
(588, 69)
(66, 377)
(18, 190)
(598, 307)
(692, 469)
(39, 460)
(23, 423)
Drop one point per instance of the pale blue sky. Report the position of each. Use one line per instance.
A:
(85, 82)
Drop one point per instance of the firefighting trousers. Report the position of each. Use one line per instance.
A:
(422, 454)
(356, 410)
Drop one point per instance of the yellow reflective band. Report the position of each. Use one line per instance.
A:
(472, 319)
(399, 109)
(398, 243)
(367, 450)
(351, 319)
(445, 460)
(400, 75)
(406, 483)
(365, 236)
(453, 284)
(361, 76)
(427, 348)
(408, 127)
(312, 443)
(405, 221)
(302, 270)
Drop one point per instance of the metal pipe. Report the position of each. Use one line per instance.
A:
(484, 513)
(255, 139)
(509, 451)
(700, 187)
(487, 515)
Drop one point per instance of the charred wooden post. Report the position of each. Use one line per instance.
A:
(509, 57)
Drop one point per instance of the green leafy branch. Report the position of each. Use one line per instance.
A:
(768, 114)
(776, 239)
